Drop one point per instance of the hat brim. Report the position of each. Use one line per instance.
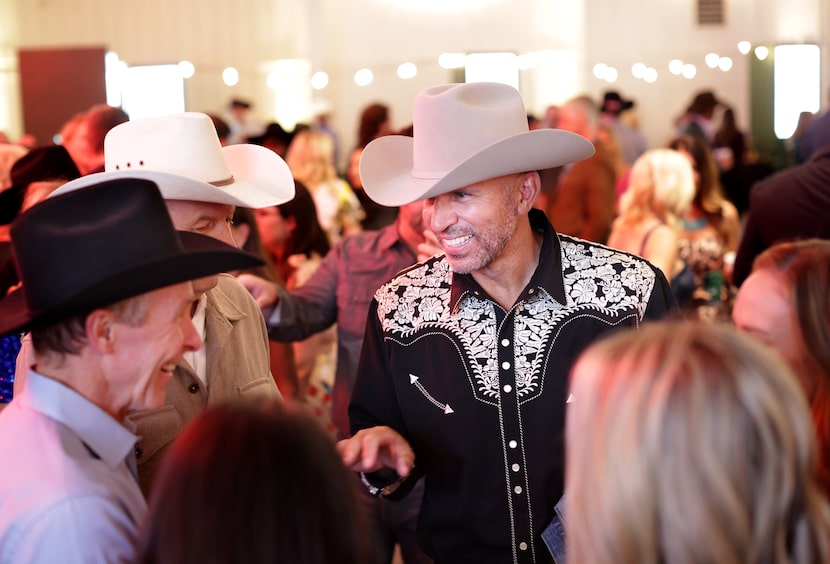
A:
(203, 256)
(252, 167)
(386, 165)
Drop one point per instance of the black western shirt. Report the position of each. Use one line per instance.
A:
(480, 393)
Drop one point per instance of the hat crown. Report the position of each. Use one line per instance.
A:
(453, 122)
(67, 244)
(184, 144)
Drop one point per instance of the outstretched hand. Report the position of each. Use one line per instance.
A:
(371, 449)
(264, 291)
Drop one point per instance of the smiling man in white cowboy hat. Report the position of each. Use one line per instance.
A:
(202, 183)
(106, 295)
(464, 368)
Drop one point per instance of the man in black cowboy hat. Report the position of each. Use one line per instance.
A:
(106, 295)
(699, 116)
(202, 183)
(632, 142)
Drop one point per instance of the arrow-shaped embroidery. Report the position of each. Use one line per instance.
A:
(443, 407)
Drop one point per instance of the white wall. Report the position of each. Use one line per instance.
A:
(341, 36)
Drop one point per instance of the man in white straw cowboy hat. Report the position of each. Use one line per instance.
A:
(106, 295)
(202, 183)
(464, 368)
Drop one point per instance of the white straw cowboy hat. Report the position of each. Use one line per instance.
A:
(181, 153)
(463, 134)
(100, 245)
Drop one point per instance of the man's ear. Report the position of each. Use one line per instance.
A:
(529, 189)
(100, 330)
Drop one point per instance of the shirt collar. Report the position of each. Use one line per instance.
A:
(110, 440)
(198, 359)
(547, 276)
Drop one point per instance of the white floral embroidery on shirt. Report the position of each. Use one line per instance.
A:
(596, 278)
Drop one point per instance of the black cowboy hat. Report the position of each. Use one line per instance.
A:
(99, 245)
(44, 163)
(704, 102)
(613, 103)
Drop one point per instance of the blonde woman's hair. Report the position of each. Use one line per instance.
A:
(310, 157)
(662, 182)
(690, 443)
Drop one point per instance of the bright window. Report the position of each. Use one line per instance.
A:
(155, 90)
(797, 76)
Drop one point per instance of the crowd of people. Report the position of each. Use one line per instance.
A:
(489, 339)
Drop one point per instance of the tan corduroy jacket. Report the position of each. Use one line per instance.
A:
(237, 366)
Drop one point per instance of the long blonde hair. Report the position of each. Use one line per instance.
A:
(311, 158)
(690, 443)
(662, 183)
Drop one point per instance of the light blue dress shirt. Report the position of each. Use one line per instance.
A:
(68, 491)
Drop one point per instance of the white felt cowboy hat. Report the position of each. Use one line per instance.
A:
(181, 153)
(463, 134)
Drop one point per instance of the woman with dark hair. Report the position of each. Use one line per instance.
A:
(709, 234)
(292, 229)
(253, 483)
(785, 304)
(297, 243)
(246, 236)
(374, 122)
(730, 155)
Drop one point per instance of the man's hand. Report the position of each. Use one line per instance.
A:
(264, 292)
(371, 449)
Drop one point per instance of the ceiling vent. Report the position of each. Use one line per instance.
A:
(710, 12)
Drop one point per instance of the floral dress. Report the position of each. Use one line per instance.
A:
(702, 251)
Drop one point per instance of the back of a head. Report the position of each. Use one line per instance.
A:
(709, 195)
(661, 182)
(371, 122)
(253, 483)
(222, 128)
(689, 442)
(100, 119)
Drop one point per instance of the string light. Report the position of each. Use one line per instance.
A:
(363, 77)
(319, 80)
(407, 71)
(762, 52)
(230, 76)
(186, 69)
